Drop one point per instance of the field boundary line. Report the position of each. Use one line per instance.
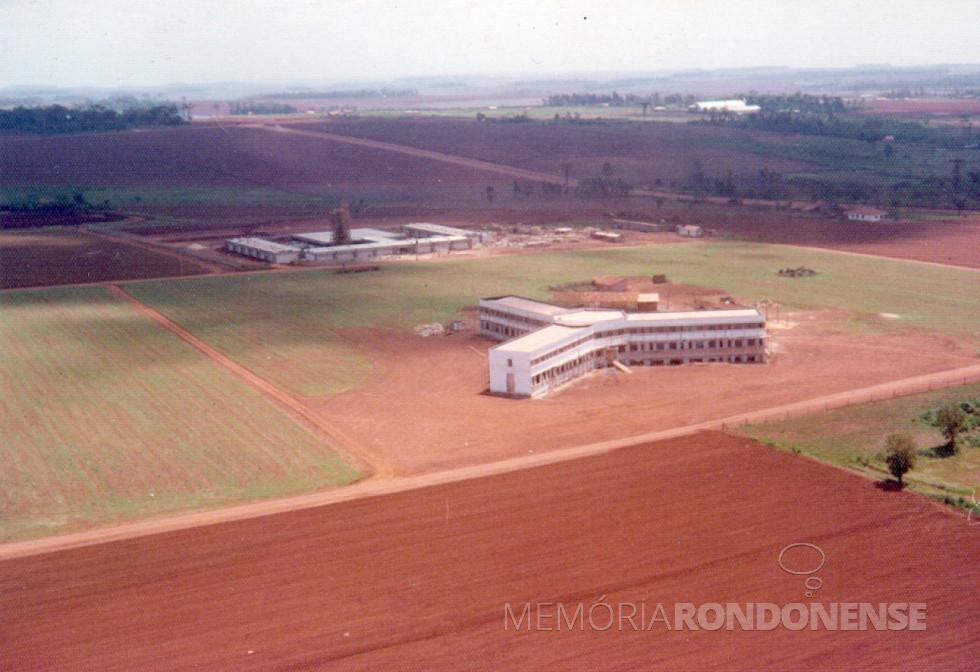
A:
(378, 487)
(340, 442)
(866, 255)
(475, 164)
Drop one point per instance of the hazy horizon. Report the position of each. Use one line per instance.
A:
(153, 43)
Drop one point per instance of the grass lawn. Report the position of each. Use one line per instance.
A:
(108, 418)
(854, 437)
(288, 327)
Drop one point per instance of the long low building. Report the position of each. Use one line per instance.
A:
(365, 243)
(266, 250)
(547, 345)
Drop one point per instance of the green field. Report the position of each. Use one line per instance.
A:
(854, 437)
(288, 327)
(107, 418)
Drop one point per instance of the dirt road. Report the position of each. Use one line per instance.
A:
(421, 579)
(354, 451)
(476, 164)
(388, 482)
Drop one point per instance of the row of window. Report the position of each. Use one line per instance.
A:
(568, 369)
(511, 317)
(503, 329)
(662, 345)
(676, 329)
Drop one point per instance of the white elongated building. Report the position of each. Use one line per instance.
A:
(546, 345)
(318, 246)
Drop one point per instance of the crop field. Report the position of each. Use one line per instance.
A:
(117, 419)
(56, 256)
(227, 157)
(421, 579)
(219, 175)
(640, 153)
(107, 418)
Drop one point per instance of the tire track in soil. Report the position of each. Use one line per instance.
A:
(376, 467)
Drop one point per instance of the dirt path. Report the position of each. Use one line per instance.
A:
(502, 169)
(475, 164)
(392, 484)
(168, 250)
(377, 467)
(419, 580)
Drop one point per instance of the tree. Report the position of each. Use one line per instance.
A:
(950, 420)
(899, 455)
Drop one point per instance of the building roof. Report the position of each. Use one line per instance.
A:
(437, 229)
(694, 315)
(544, 337)
(264, 245)
(864, 210)
(529, 305)
(586, 317)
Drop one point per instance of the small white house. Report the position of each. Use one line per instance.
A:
(690, 231)
(864, 214)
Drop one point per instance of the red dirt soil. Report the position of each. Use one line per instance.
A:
(218, 156)
(47, 257)
(420, 579)
(447, 421)
(640, 153)
(922, 108)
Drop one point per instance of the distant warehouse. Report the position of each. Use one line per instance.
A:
(266, 250)
(548, 345)
(365, 243)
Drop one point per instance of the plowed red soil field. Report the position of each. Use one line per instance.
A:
(217, 156)
(641, 153)
(45, 257)
(422, 579)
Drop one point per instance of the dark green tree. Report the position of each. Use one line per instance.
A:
(900, 456)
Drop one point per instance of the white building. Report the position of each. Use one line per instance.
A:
(860, 214)
(550, 345)
(266, 250)
(318, 247)
(690, 231)
(733, 106)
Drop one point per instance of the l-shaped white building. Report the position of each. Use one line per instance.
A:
(547, 345)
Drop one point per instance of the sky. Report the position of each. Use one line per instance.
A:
(111, 43)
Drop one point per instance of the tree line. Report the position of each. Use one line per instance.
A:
(58, 119)
(62, 204)
(616, 100)
(796, 103)
(345, 93)
(250, 107)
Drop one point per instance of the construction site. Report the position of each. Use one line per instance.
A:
(546, 345)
